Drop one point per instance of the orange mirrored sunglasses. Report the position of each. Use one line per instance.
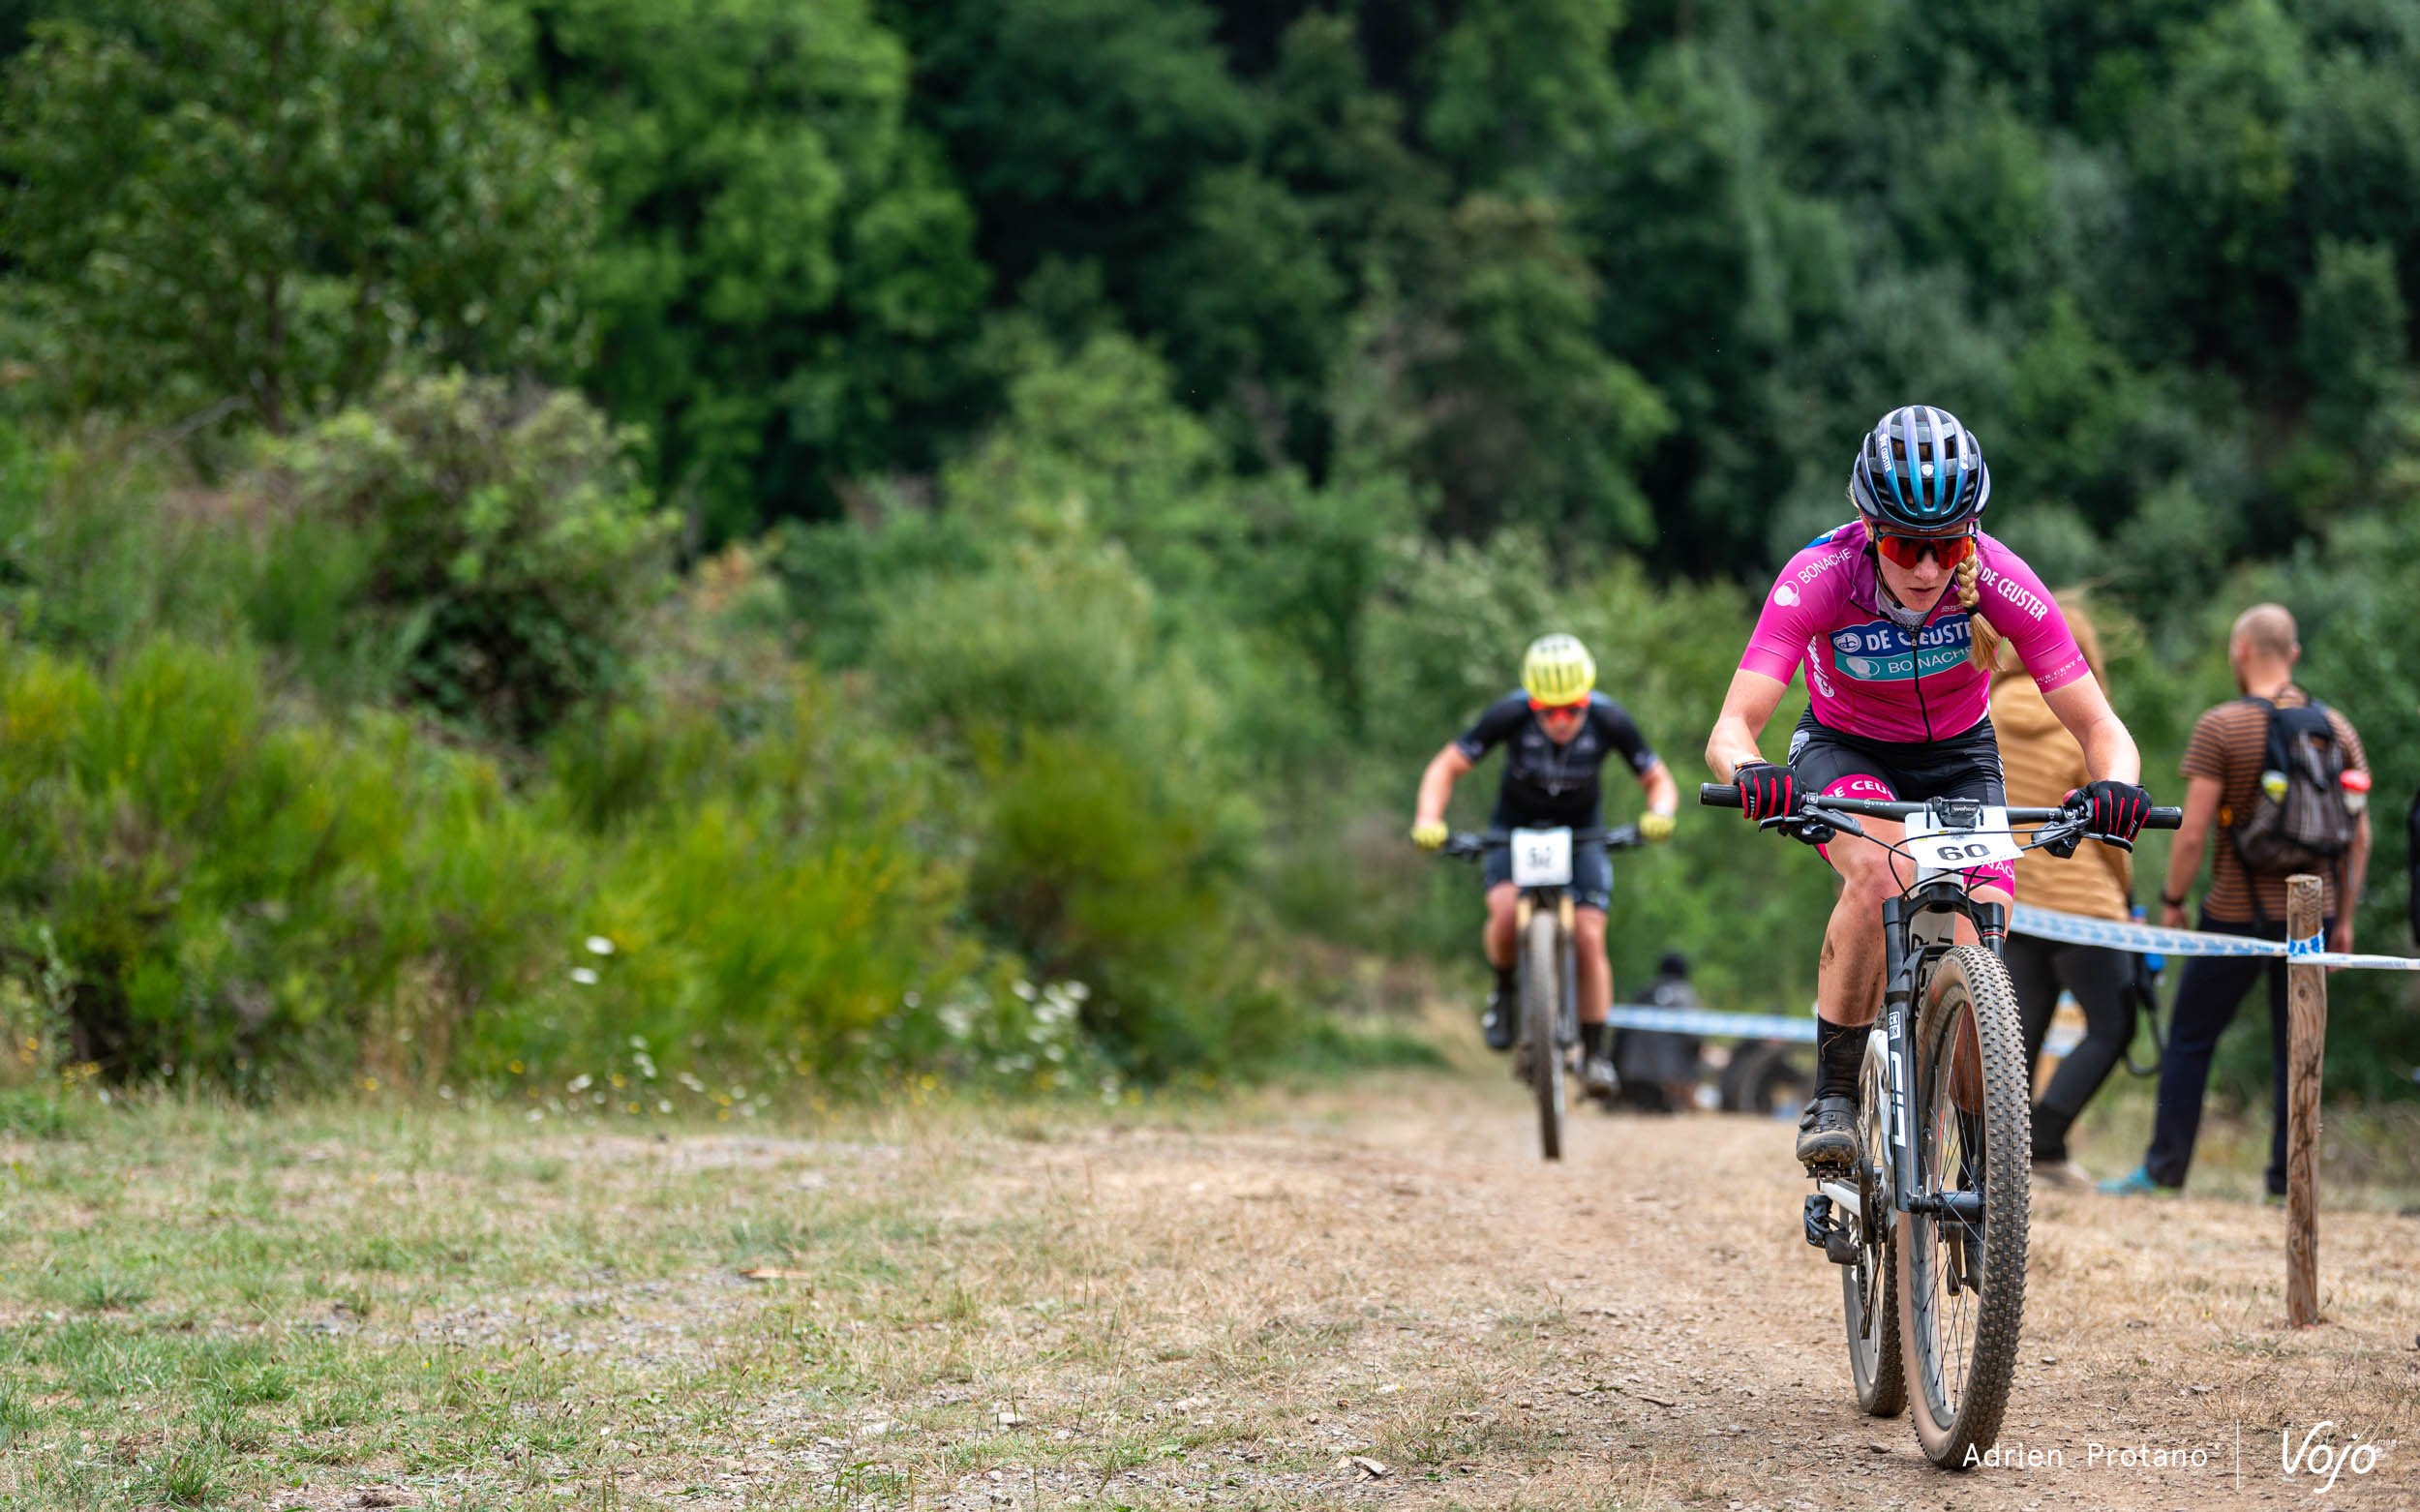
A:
(1909, 549)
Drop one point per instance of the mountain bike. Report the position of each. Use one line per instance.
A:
(1930, 1229)
(1543, 961)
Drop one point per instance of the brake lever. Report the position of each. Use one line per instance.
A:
(1830, 822)
(1805, 828)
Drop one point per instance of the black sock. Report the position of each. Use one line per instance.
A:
(1592, 1040)
(1840, 1058)
(1503, 979)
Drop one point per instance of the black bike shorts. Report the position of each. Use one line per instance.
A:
(1966, 765)
(1591, 873)
(1961, 766)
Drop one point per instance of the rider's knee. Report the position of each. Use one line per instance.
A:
(1588, 926)
(1868, 880)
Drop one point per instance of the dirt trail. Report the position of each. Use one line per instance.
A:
(1642, 1326)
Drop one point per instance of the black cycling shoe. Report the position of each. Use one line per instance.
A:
(1828, 1135)
(1500, 1024)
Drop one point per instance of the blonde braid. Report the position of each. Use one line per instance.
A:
(1984, 648)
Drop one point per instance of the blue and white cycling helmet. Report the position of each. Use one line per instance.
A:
(1921, 471)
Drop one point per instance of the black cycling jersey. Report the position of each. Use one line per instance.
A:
(1546, 783)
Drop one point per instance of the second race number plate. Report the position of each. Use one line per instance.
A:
(1541, 858)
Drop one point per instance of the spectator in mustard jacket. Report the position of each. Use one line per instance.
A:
(2042, 765)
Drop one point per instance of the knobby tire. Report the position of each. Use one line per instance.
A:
(1541, 997)
(1973, 1124)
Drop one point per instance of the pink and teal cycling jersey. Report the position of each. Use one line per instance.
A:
(1867, 677)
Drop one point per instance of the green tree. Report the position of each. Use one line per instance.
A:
(1080, 127)
(1484, 381)
(274, 199)
(2213, 170)
(2352, 340)
(787, 264)
(1525, 96)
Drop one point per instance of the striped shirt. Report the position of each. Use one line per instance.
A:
(2229, 746)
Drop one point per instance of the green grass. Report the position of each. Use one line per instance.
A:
(226, 1306)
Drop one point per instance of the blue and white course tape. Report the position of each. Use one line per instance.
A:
(2150, 940)
(1706, 1020)
(2043, 924)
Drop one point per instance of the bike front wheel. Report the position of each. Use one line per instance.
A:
(1541, 1005)
(1962, 1249)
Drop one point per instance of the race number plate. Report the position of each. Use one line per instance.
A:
(1960, 849)
(1541, 858)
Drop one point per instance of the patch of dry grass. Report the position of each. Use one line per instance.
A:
(1227, 1305)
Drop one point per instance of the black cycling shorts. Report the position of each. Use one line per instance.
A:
(1591, 873)
(1962, 765)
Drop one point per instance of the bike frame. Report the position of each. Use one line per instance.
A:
(1908, 955)
(1908, 951)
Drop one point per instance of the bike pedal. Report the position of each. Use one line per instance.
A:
(1824, 1233)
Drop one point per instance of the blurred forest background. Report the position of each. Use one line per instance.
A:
(584, 539)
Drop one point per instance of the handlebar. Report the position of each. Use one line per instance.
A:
(1468, 843)
(1722, 795)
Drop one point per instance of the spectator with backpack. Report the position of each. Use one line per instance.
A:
(2285, 781)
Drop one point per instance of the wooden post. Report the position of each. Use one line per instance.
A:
(2307, 1032)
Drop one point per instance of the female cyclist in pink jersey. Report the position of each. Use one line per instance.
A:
(1894, 615)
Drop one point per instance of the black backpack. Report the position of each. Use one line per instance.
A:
(2297, 819)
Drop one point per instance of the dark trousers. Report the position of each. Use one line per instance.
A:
(2213, 987)
(2100, 978)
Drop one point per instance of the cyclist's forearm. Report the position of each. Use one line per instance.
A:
(1748, 704)
(2109, 752)
(1663, 794)
(1436, 785)
(1731, 745)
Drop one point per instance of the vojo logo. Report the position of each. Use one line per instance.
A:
(1880, 652)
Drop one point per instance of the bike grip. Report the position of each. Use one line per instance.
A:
(2165, 819)
(1722, 795)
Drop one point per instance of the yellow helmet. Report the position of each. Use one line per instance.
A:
(1557, 670)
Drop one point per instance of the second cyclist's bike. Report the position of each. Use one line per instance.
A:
(1543, 959)
(1930, 1229)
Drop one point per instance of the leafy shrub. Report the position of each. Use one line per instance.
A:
(224, 891)
(1114, 842)
(97, 554)
(787, 890)
(513, 554)
(208, 882)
